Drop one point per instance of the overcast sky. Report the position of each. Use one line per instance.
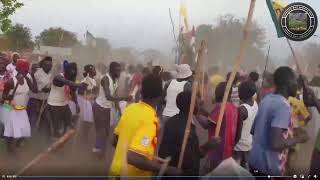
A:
(144, 23)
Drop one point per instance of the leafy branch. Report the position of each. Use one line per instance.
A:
(7, 8)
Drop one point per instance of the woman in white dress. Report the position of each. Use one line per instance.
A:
(15, 99)
(86, 98)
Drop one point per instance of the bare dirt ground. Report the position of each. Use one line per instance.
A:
(75, 159)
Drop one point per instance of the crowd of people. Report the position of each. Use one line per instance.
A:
(148, 109)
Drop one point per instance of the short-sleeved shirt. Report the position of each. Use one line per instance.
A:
(137, 132)
(43, 80)
(215, 80)
(274, 112)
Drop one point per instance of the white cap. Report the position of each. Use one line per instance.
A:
(184, 71)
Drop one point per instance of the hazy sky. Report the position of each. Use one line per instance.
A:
(143, 23)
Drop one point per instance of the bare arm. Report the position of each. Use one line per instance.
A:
(243, 115)
(105, 85)
(209, 145)
(164, 94)
(32, 83)
(279, 143)
(144, 163)
(74, 95)
(60, 81)
(115, 140)
(204, 122)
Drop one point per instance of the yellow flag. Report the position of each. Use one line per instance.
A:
(278, 6)
(183, 13)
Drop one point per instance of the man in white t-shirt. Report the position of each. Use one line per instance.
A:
(37, 101)
(171, 91)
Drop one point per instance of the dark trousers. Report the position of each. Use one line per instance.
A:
(57, 120)
(242, 158)
(101, 118)
(85, 128)
(33, 110)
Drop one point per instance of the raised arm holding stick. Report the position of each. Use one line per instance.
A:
(193, 101)
(243, 46)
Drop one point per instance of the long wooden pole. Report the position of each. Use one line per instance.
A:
(265, 67)
(174, 36)
(58, 144)
(295, 58)
(195, 85)
(239, 60)
(202, 81)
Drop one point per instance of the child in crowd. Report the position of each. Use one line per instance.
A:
(246, 114)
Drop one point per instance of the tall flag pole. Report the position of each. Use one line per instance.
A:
(184, 16)
(90, 40)
(266, 65)
(275, 8)
(236, 67)
(195, 86)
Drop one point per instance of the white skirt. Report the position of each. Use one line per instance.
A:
(85, 109)
(16, 123)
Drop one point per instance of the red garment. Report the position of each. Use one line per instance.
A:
(22, 65)
(228, 130)
(137, 80)
(3, 80)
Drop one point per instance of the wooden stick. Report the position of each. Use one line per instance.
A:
(202, 82)
(243, 46)
(193, 101)
(165, 164)
(265, 67)
(55, 146)
(173, 30)
(43, 105)
(295, 58)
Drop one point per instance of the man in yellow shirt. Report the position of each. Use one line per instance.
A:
(214, 79)
(136, 135)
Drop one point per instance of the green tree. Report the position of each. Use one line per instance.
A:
(223, 41)
(18, 38)
(7, 8)
(57, 37)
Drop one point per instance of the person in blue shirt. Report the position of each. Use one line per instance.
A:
(272, 128)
